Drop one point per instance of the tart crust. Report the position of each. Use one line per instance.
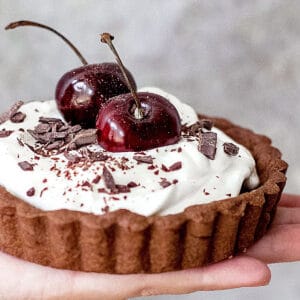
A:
(123, 242)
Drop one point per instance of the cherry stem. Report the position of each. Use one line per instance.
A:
(107, 39)
(35, 24)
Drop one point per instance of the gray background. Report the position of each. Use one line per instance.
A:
(237, 59)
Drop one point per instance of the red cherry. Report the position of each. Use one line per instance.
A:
(81, 92)
(120, 130)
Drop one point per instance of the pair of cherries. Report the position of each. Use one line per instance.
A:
(104, 96)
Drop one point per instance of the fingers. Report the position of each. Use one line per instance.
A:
(241, 271)
(237, 272)
(280, 244)
(290, 200)
(37, 282)
(287, 215)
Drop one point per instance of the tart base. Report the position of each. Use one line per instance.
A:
(123, 242)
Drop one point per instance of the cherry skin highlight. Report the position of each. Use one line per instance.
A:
(81, 92)
(119, 130)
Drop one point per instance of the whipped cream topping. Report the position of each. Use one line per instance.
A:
(179, 175)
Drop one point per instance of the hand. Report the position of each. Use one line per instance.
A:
(23, 280)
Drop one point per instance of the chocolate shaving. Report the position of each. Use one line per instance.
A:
(12, 111)
(173, 167)
(147, 159)
(55, 136)
(206, 124)
(5, 133)
(42, 128)
(97, 156)
(164, 182)
(196, 128)
(132, 184)
(50, 120)
(18, 117)
(85, 137)
(231, 149)
(72, 129)
(25, 166)
(176, 166)
(122, 188)
(96, 179)
(109, 180)
(71, 158)
(20, 142)
(164, 168)
(207, 144)
(55, 145)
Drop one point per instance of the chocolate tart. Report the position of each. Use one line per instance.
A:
(123, 242)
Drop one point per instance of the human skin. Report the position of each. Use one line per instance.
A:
(23, 280)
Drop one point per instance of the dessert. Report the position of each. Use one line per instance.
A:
(67, 202)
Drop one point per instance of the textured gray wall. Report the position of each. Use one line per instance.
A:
(237, 59)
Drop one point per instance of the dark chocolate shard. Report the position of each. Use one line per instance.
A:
(207, 144)
(109, 180)
(231, 149)
(25, 166)
(18, 117)
(5, 133)
(147, 159)
(85, 137)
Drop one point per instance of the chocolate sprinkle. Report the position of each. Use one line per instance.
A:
(30, 192)
(5, 133)
(231, 149)
(132, 184)
(207, 144)
(25, 166)
(96, 179)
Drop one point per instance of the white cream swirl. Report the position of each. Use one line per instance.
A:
(58, 186)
